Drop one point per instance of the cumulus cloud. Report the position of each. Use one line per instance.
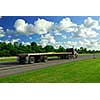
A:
(67, 25)
(14, 40)
(2, 32)
(70, 44)
(6, 41)
(58, 33)
(26, 43)
(90, 44)
(91, 23)
(11, 41)
(41, 26)
(85, 32)
(47, 39)
(2, 35)
(20, 26)
(64, 36)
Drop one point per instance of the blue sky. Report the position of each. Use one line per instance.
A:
(54, 30)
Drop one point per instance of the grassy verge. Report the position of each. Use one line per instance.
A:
(7, 59)
(85, 54)
(87, 71)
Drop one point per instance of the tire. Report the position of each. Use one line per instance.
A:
(31, 60)
(41, 58)
(22, 60)
(45, 59)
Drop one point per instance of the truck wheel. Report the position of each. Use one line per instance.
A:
(31, 60)
(45, 59)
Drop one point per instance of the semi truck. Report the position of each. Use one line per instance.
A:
(43, 57)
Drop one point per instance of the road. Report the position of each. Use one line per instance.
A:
(7, 69)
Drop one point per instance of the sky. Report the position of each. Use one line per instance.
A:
(67, 31)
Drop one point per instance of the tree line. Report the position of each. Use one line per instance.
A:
(9, 49)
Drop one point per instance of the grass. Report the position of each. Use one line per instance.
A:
(7, 59)
(84, 71)
(85, 54)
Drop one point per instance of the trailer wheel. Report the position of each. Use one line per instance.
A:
(45, 59)
(31, 60)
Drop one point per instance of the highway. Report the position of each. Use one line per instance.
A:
(10, 68)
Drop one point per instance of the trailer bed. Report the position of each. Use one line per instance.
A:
(47, 54)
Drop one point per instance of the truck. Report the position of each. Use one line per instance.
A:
(43, 57)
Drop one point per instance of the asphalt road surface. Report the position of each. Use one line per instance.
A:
(10, 68)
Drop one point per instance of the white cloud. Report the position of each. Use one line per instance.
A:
(41, 26)
(7, 41)
(14, 40)
(91, 23)
(64, 36)
(2, 35)
(91, 44)
(26, 43)
(58, 33)
(20, 26)
(11, 41)
(47, 39)
(70, 44)
(85, 32)
(1, 30)
(67, 25)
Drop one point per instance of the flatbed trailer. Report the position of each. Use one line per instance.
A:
(43, 57)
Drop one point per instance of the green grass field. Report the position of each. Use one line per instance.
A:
(7, 59)
(84, 71)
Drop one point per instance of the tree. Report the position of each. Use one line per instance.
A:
(9, 49)
(61, 49)
(49, 48)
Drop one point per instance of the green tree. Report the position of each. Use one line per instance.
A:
(49, 48)
(61, 49)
